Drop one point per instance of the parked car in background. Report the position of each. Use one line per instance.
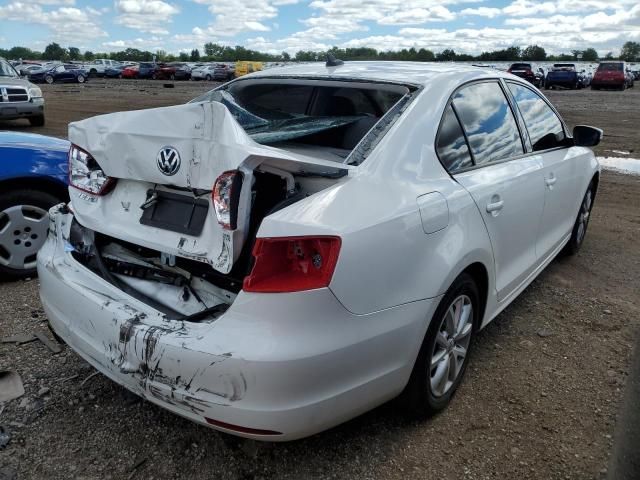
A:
(269, 289)
(566, 75)
(611, 75)
(114, 72)
(60, 73)
(172, 71)
(223, 72)
(26, 68)
(204, 72)
(33, 178)
(98, 67)
(19, 97)
(529, 71)
(146, 70)
(130, 71)
(245, 67)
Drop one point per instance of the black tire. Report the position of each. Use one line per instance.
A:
(93, 72)
(582, 219)
(594, 88)
(81, 79)
(418, 398)
(120, 76)
(154, 76)
(208, 78)
(37, 121)
(48, 79)
(172, 77)
(28, 198)
(547, 86)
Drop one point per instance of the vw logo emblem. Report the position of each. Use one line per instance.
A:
(168, 160)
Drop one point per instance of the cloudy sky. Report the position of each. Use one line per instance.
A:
(468, 26)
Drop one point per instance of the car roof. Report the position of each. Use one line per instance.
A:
(417, 73)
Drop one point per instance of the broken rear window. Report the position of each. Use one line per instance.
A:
(328, 114)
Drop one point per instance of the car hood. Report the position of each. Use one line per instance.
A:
(21, 82)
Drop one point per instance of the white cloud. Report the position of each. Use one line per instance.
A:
(482, 12)
(68, 24)
(152, 43)
(239, 16)
(149, 16)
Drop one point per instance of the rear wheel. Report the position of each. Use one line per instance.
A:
(23, 230)
(444, 354)
(172, 77)
(81, 79)
(208, 77)
(582, 222)
(48, 79)
(37, 121)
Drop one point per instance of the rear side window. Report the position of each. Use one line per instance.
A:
(488, 121)
(544, 127)
(610, 67)
(451, 145)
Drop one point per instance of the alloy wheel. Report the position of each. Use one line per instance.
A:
(451, 345)
(583, 216)
(23, 230)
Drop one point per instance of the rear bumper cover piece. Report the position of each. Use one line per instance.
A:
(272, 367)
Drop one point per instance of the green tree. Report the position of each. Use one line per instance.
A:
(630, 51)
(609, 56)
(534, 53)
(590, 55)
(184, 57)
(53, 51)
(447, 55)
(74, 53)
(425, 55)
(24, 53)
(88, 55)
(195, 55)
(285, 57)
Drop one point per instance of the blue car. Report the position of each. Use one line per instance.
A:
(60, 73)
(33, 178)
(114, 72)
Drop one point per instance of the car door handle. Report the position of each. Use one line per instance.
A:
(550, 180)
(495, 206)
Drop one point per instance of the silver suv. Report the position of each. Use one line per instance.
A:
(18, 97)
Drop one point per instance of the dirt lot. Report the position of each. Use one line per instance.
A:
(539, 400)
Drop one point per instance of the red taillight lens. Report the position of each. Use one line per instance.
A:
(292, 264)
(85, 174)
(226, 195)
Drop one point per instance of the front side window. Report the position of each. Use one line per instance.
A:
(6, 70)
(544, 127)
(488, 121)
(451, 145)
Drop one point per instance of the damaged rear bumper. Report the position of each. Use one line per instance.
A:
(278, 366)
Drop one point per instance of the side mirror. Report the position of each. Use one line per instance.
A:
(586, 136)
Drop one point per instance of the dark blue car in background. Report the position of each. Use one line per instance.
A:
(33, 178)
(60, 73)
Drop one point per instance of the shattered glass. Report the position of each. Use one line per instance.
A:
(273, 131)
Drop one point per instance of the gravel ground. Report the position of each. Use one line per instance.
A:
(539, 400)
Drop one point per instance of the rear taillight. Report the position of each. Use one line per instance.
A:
(85, 174)
(226, 194)
(292, 264)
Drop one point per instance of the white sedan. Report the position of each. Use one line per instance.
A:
(303, 244)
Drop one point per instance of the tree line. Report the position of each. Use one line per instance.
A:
(213, 52)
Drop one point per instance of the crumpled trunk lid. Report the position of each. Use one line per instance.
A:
(139, 148)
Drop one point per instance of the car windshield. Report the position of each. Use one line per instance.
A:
(273, 113)
(610, 67)
(521, 66)
(6, 70)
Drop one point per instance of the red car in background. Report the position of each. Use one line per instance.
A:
(130, 72)
(172, 71)
(612, 75)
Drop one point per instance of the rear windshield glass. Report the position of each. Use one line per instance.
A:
(521, 66)
(564, 66)
(333, 115)
(610, 67)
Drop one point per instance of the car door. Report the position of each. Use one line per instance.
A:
(506, 185)
(560, 167)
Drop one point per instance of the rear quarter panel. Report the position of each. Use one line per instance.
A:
(386, 258)
(23, 156)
